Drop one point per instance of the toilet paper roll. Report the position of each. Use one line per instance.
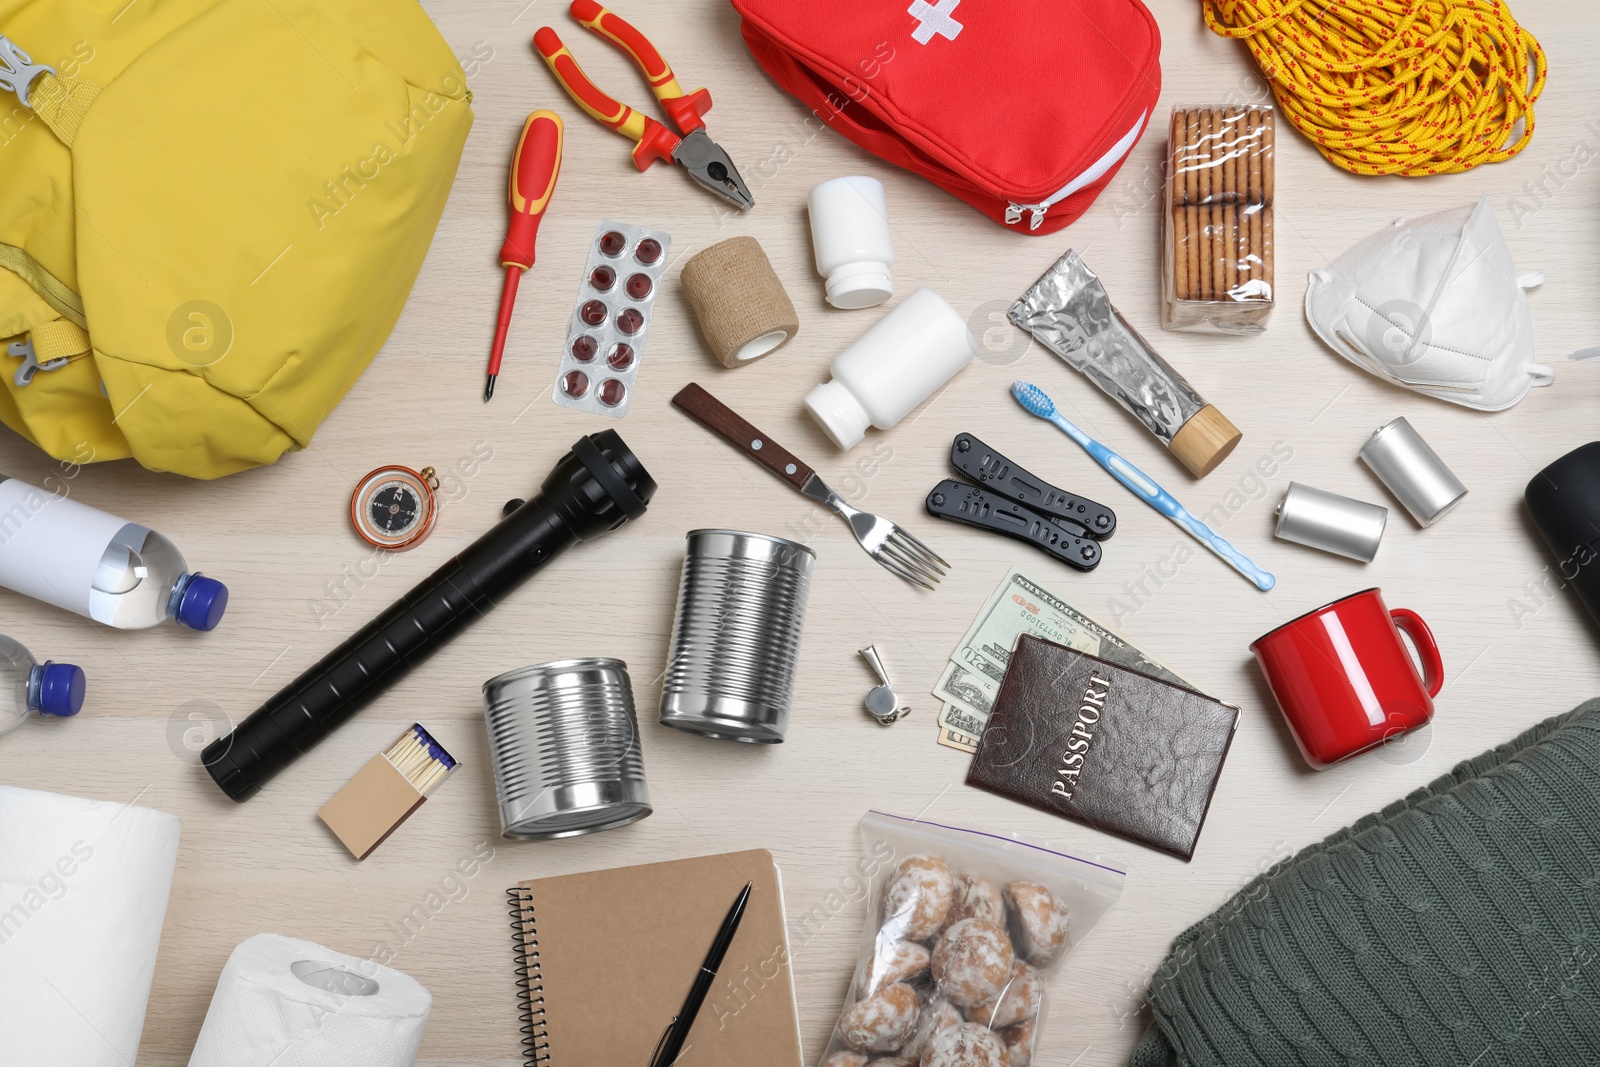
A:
(83, 891)
(282, 1002)
(742, 307)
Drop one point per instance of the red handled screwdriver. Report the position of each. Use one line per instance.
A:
(533, 180)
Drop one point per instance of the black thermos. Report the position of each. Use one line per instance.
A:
(1564, 499)
(594, 489)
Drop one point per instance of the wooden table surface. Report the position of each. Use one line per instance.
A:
(1516, 647)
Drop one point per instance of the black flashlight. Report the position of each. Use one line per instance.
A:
(596, 487)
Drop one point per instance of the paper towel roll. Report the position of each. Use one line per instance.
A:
(83, 891)
(288, 1003)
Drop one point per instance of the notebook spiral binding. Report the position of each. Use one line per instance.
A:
(530, 982)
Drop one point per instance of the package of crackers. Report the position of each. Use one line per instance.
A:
(1217, 242)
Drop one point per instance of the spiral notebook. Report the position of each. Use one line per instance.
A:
(605, 959)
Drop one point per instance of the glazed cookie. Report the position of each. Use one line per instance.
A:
(846, 1058)
(917, 897)
(972, 962)
(936, 1015)
(977, 898)
(967, 1045)
(881, 1022)
(1018, 1040)
(1041, 921)
(1018, 1001)
(893, 961)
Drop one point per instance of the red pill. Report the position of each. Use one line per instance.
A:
(603, 278)
(621, 357)
(584, 348)
(612, 392)
(630, 321)
(649, 251)
(639, 286)
(593, 312)
(575, 384)
(612, 243)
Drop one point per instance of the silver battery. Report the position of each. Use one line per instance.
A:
(736, 636)
(1330, 522)
(1413, 472)
(565, 743)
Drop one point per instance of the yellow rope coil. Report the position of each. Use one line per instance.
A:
(1408, 87)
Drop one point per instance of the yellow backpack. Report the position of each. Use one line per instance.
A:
(211, 214)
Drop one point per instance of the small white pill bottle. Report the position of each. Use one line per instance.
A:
(901, 361)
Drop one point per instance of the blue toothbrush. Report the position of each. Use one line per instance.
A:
(1036, 402)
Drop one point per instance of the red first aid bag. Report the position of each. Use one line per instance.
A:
(1023, 108)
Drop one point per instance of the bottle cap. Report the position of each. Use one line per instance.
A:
(1204, 441)
(61, 688)
(203, 602)
(839, 413)
(859, 285)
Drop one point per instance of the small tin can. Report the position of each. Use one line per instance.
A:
(1331, 522)
(736, 636)
(565, 743)
(1413, 472)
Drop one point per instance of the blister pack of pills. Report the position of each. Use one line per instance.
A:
(611, 319)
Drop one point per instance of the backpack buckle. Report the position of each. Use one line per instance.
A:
(30, 362)
(18, 70)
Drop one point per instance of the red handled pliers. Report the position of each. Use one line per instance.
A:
(705, 161)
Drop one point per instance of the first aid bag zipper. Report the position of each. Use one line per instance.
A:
(1088, 177)
(18, 70)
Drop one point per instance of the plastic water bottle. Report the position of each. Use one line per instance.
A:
(113, 571)
(28, 687)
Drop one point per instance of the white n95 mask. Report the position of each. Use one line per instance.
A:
(1435, 305)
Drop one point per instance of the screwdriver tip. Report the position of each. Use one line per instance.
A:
(488, 389)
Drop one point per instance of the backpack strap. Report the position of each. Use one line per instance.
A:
(52, 290)
(63, 103)
(58, 339)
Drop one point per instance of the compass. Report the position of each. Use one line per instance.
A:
(394, 507)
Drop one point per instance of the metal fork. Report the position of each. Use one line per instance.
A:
(894, 549)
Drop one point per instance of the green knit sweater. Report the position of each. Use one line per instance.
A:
(1459, 927)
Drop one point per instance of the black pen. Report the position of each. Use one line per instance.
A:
(677, 1031)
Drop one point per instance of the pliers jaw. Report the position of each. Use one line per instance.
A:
(705, 161)
(709, 165)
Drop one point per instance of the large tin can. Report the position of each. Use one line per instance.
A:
(736, 636)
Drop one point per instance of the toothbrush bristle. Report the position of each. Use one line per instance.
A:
(1031, 397)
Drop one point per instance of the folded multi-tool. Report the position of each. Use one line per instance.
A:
(1002, 497)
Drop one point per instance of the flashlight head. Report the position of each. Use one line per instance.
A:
(599, 485)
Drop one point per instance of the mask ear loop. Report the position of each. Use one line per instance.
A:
(1543, 375)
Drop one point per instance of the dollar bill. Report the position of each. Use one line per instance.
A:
(957, 740)
(953, 717)
(1020, 605)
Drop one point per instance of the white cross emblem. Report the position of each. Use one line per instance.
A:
(934, 19)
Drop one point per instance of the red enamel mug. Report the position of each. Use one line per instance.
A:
(1345, 680)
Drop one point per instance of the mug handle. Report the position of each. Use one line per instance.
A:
(1422, 637)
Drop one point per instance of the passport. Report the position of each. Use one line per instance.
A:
(1103, 745)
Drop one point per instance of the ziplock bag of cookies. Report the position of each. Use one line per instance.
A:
(964, 929)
